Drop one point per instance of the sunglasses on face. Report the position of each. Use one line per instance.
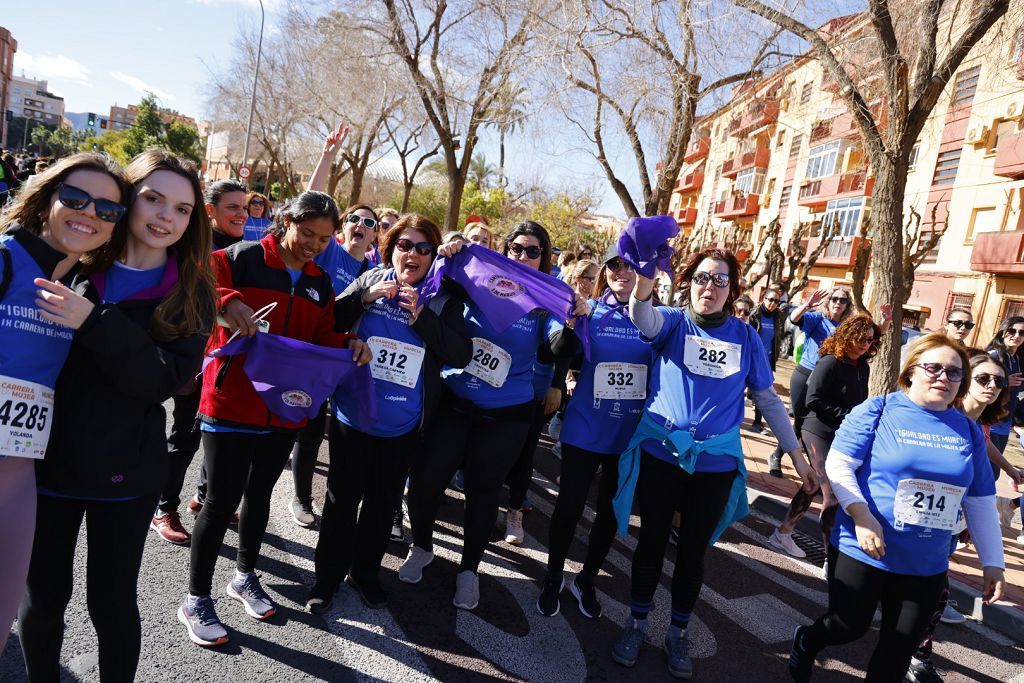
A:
(961, 323)
(368, 223)
(385, 226)
(588, 278)
(936, 370)
(742, 312)
(1014, 332)
(77, 199)
(985, 379)
(720, 280)
(840, 300)
(533, 253)
(422, 248)
(771, 301)
(869, 340)
(617, 266)
(256, 202)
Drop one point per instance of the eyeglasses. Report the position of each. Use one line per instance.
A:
(985, 379)
(869, 340)
(385, 226)
(771, 301)
(935, 370)
(588, 278)
(257, 202)
(422, 248)
(618, 265)
(77, 199)
(840, 300)
(532, 253)
(1014, 332)
(368, 223)
(961, 323)
(721, 280)
(743, 312)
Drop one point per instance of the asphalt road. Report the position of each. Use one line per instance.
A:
(752, 600)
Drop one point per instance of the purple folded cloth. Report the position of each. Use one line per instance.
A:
(643, 244)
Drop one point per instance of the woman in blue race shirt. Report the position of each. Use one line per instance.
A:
(902, 466)
(369, 462)
(483, 419)
(686, 454)
(259, 218)
(599, 420)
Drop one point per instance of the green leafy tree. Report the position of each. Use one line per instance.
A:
(429, 199)
(561, 215)
(148, 130)
(490, 203)
(111, 143)
(60, 142)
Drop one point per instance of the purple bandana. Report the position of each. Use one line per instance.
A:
(505, 290)
(294, 378)
(644, 244)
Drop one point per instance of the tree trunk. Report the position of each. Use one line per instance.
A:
(406, 192)
(886, 258)
(358, 174)
(501, 159)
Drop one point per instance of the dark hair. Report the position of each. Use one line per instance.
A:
(960, 309)
(33, 201)
(191, 305)
(220, 188)
(994, 412)
(533, 229)
(410, 221)
(999, 346)
(714, 253)
(847, 337)
(307, 206)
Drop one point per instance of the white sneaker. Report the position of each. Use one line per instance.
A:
(1005, 510)
(556, 450)
(514, 533)
(1020, 537)
(824, 570)
(555, 427)
(411, 570)
(785, 543)
(467, 590)
(950, 615)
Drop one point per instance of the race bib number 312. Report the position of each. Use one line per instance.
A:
(711, 357)
(489, 362)
(931, 504)
(25, 412)
(395, 361)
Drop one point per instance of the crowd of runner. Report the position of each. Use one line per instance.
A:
(432, 361)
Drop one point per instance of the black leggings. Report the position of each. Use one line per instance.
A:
(924, 650)
(700, 498)
(854, 591)
(486, 449)
(578, 469)
(797, 400)
(521, 474)
(304, 455)
(238, 464)
(364, 469)
(182, 444)
(115, 537)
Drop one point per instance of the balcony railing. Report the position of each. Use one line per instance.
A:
(738, 207)
(843, 126)
(757, 158)
(760, 113)
(1010, 156)
(840, 251)
(686, 215)
(690, 182)
(839, 186)
(697, 149)
(999, 253)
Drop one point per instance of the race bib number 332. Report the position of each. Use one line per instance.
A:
(620, 381)
(25, 412)
(711, 357)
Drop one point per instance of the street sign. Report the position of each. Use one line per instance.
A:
(243, 172)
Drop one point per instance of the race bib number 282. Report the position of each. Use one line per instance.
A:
(711, 357)
(25, 412)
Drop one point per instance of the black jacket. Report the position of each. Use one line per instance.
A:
(833, 389)
(443, 332)
(108, 438)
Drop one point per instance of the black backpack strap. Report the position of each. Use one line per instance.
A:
(5, 281)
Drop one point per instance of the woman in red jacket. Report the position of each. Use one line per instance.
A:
(245, 445)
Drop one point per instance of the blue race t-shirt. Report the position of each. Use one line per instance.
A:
(500, 371)
(255, 228)
(294, 274)
(698, 379)
(818, 328)
(918, 464)
(398, 354)
(122, 282)
(767, 331)
(339, 265)
(543, 376)
(612, 387)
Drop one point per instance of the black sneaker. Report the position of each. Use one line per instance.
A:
(756, 428)
(673, 536)
(775, 465)
(547, 603)
(801, 662)
(370, 592)
(397, 530)
(922, 671)
(320, 598)
(586, 597)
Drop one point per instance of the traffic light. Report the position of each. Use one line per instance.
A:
(91, 120)
(103, 123)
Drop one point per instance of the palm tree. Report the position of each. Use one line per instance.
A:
(507, 114)
(480, 171)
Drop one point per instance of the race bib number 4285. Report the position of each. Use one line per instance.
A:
(711, 357)
(25, 412)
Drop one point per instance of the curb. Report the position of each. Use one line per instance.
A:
(1009, 621)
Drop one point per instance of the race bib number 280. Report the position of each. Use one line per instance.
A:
(711, 357)
(489, 362)
(25, 412)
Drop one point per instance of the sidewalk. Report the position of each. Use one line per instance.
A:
(771, 496)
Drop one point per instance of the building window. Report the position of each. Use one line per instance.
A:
(966, 85)
(945, 167)
(1012, 307)
(821, 161)
(1018, 45)
(965, 301)
(844, 214)
(784, 197)
(749, 181)
(794, 147)
(915, 152)
(933, 254)
(781, 140)
(982, 220)
(806, 92)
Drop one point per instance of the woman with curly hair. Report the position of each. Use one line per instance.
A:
(838, 382)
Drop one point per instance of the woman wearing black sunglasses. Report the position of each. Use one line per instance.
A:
(410, 344)
(43, 233)
(959, 324)
(769, 320)
(1008, 346)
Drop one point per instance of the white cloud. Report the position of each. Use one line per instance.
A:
(141, 85)
(51, 67)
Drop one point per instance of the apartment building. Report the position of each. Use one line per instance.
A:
(8, 46)
(785, 148)
(123, 117)
(31, 99)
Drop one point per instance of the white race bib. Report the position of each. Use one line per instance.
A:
(711, 357)
(620, 381)
(26, 409)
(927, 503)
(395, 361)
(490, 362)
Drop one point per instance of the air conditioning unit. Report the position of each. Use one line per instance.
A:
(1013, 110)
(976, 135)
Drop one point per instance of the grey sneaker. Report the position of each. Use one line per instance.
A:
(677, 650)
(411, 570)
(626, 649)
(467, 590)
(250, 593)
(204, 628)
(302, 513)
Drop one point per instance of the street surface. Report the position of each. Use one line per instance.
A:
(752, 600)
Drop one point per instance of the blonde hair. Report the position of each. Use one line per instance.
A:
(480, 226)
(935, 340)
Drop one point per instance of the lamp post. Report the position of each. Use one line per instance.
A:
(255, 80)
